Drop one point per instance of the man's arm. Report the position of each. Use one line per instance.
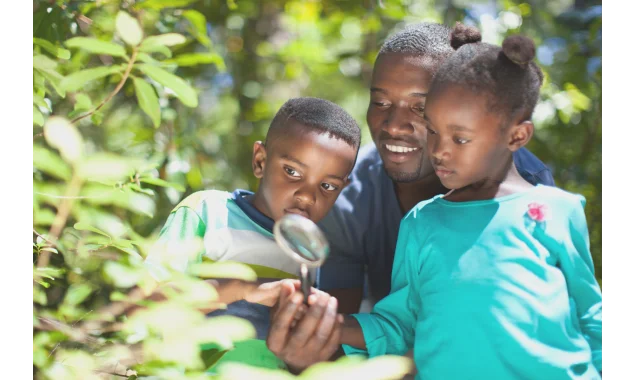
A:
(342, 275)
(349, 300)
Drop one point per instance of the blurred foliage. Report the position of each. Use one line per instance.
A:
(137, 104)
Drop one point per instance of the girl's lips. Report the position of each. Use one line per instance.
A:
(296, 211)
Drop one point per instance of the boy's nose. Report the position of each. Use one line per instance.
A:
(305, 196)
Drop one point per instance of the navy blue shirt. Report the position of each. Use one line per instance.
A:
(363, 225)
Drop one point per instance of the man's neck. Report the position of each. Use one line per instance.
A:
(411, 193)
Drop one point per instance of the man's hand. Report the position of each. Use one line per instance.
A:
(315, 338)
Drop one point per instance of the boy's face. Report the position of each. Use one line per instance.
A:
(395, 114)
(301, 173)
(467, 144)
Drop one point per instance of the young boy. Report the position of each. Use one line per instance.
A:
(303, 165)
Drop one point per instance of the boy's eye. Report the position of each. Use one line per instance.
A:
(328, 187)
(430, 131)
(291, 172)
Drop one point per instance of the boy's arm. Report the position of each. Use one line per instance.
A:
(180, 242)
(576, 264)
(184, 226)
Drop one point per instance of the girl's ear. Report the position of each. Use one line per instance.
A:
(259, 159)
(520, 134)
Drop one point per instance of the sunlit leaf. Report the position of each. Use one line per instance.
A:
(199, 26)
(107, 167)
(121, 275)
(148, 101)
(162, 183)
(224, 269)
(160, 4)
(38, 118)
(48, 46)
(194, 59)
(77, 293)
(62, 135)
(72, 365)
(378, 368)
(157, 49)
(78, 79)
(181, 89)
(50, 163)
(167, 39)
(128, 28)
(82, 102)
(96, 46)
(43, 62)
(85, 227)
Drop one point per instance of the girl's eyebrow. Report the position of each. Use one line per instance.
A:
(453, 126)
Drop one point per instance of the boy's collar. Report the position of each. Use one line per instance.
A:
(241, 197)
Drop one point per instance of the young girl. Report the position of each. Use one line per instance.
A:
(494, 280)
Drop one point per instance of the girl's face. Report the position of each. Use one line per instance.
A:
(467, 144)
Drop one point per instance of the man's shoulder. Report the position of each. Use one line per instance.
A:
(532, 168)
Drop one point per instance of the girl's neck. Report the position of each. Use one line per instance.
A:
(510, 182)
(411, 193)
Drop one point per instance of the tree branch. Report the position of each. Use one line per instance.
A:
(126, 74)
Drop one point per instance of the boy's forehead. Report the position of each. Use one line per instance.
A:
(307, 144)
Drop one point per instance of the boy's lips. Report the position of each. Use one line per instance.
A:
(297, 211)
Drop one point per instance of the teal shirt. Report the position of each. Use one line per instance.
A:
(482, 290)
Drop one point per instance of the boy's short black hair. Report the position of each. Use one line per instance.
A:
(507, 75)
(320, 115)
(429, 40)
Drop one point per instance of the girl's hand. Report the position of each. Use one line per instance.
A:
(268, 293)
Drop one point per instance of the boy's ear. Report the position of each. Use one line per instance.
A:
(520, 134)
(258, 159)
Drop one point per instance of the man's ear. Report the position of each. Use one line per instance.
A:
(258, 159)
(520, 134)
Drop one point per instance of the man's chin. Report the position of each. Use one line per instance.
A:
(402, 176)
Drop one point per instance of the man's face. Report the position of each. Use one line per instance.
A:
(395, 114)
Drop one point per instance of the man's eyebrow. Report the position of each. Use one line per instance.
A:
(419, 94)
(287, 157)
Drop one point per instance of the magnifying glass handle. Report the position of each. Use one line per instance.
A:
(305, 281)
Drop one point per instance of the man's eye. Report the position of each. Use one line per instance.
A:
(291, 172)
(328, 187)
(419, 110)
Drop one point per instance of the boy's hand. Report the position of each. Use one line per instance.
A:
(268, 293)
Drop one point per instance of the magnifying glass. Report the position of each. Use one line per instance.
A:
(303, 241)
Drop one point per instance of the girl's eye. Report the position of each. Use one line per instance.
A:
(461, 141)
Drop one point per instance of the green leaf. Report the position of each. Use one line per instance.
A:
(148, 100)
(121, 275)
(199, 26)
(168, 39)
(225, 269)
(97, 117)
(38, 100)
(43, 62)
(212, 356)
(222, 330)
(48, 46)
(38, 118)
(95, 46)
(160, 4)
(136, 188)
(62, 135)
(104, 166)
(71, 364)
(162, 183)
(77, 293)
(128, 28)
(158, 49)
(193, 59)
(82, 102)
(578, 98)
(126, 199)
(381, 367)
(145, 57)
(77, 80)
(54, 79)
(49, 272)
(181, 89)
(43, 217)
(50, 163)
(85, 227)
(39, 295)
